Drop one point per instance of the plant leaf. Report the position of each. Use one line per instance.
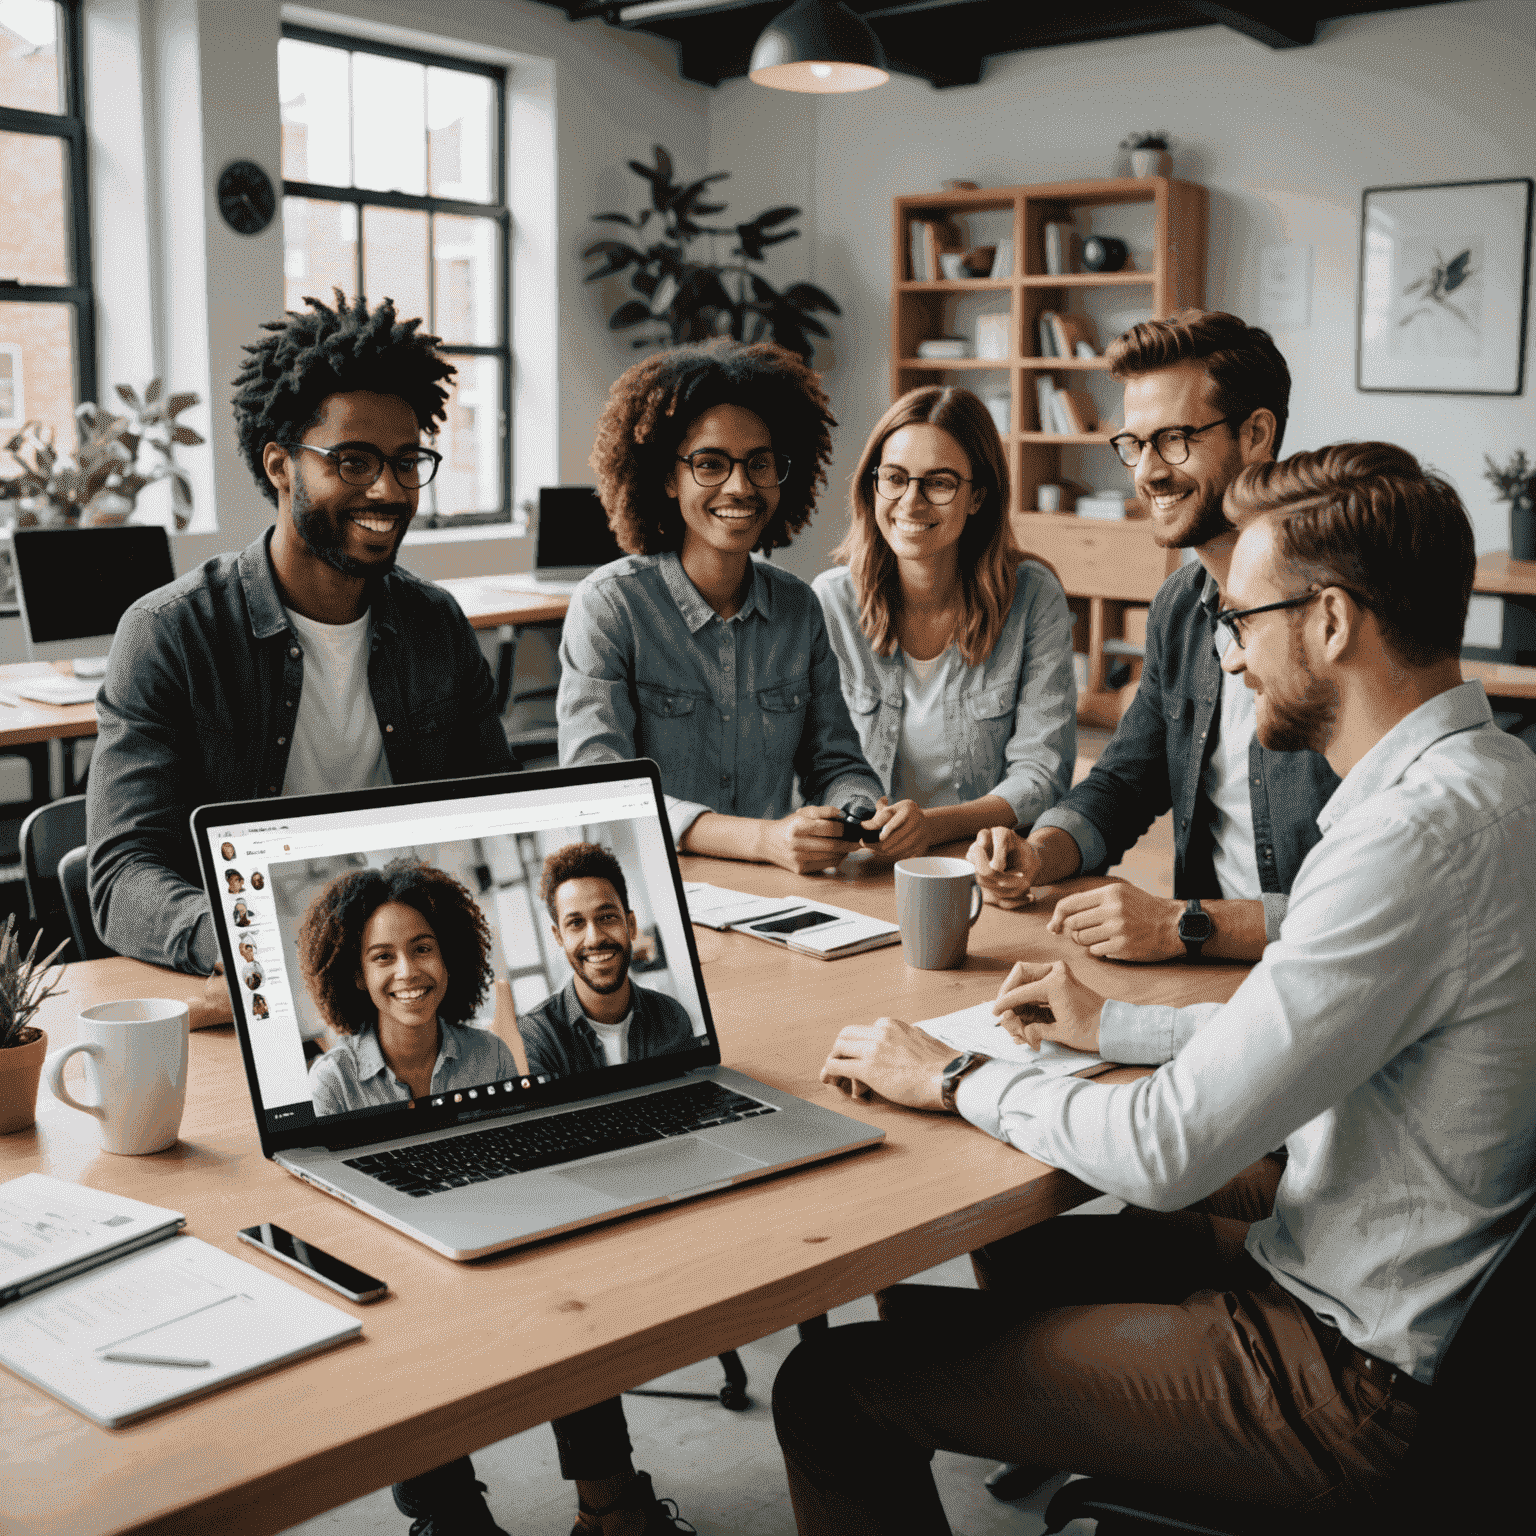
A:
(178, 403)
(613, 218)
(775, 216)
(631, 312)
(129, 396)
(187, 437)
(808, 297)
(153, 392)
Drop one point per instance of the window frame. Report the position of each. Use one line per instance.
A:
(364, 197)
(70, 127)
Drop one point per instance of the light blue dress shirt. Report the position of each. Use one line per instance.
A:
(1011, 722)
(1387, 1037)
(732, 711)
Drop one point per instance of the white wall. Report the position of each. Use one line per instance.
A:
(1286, 141)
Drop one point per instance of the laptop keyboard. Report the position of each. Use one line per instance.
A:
(553, 1139)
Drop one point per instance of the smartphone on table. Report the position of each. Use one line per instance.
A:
(345, 1279)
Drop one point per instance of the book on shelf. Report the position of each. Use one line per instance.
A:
(1060, 248)
(992, 336)
(1062, 422)
(925, 239)
(1002, 260)
(1072, 333)
(917, 252)
(1078, 410)
(944, 347)
(1044, 393)
(1047, 334)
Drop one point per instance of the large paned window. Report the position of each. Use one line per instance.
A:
(47, 318)
(395, 186)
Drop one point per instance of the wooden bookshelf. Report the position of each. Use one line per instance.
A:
(1123, 561)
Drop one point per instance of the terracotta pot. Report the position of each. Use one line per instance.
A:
(20, 1067)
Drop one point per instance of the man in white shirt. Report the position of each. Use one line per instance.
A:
(1272, 1351)
(1205, 396)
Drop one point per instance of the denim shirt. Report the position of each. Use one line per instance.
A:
(558, 1039)
(1157, 759)
(1013, 719)
(201, 693)
(732, 711)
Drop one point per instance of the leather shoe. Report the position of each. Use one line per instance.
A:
(1014, 1480)
(661, 1516)
(463, 1513)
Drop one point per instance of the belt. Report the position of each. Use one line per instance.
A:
(1392, 1379)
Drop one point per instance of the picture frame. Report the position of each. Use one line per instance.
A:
(1444, 288)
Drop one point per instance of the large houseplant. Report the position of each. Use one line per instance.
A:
(26, 983)
(684, 295)
(100, 482)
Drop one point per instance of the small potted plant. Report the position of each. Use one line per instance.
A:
(1149, 152)
(1516, 484)
(26, 983)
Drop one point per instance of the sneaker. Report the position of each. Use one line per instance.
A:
(464, 1514)
(661, 1515)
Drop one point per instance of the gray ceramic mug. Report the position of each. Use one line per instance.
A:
(937, 902)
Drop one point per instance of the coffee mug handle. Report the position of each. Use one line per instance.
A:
(55, 1069)
(976, 903)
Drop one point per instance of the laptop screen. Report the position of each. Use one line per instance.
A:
(573, 530)
(396, 957)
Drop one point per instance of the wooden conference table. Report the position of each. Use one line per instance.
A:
(458, 1356)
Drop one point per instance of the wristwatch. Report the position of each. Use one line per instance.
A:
(1195, 927)
(967, 1062)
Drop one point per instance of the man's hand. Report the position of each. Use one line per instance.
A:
(892, 1058)
(1121, 922)
(1046, 1002)
(806, 840)
(1006, 865)
(903, 830)
(213, 1006)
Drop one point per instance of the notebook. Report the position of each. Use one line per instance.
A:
(527, 1127)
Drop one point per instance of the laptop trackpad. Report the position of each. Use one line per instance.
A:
(669, 1167)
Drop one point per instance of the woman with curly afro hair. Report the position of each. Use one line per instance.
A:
(690, 652)
(397, 961)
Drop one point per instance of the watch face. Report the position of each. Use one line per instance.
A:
(1196, 927)
(246, 197)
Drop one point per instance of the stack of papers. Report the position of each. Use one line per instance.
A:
(55, 688)
(712, 906)
(808, 927)
(977, 1029)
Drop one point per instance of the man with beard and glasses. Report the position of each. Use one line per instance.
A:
(307, 662)
(1205, 396)
(1223, 1337)
(599, 1018)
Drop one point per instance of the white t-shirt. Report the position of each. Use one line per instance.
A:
(925, 757)
(1226, 782)
(614, 1038)
(336, 743)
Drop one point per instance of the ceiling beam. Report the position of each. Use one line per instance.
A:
(1276, 26)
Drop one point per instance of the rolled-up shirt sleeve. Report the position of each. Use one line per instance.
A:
(1090, 845)
(1042, 751)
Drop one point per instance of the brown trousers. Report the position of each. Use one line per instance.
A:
(1140, 1345)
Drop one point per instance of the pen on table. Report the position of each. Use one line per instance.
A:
(124, 1358)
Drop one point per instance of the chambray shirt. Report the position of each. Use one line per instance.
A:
(1012, 722)
(354, 1074)
(560, 1041)
(1387, 1037)
(732, 711)
(199, 703)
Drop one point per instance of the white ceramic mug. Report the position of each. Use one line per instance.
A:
(136, 1053)
(1048, 498)
(937, 903)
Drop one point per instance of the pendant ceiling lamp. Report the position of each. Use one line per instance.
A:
(819, 46)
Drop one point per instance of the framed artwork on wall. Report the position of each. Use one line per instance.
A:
(1444, 277)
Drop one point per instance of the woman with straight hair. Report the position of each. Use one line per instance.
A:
(955, 650)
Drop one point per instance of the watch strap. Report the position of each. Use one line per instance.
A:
(963, 1064)
(1192, 947)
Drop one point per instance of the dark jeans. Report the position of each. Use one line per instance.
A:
(1141, 1345)
(593, 1443)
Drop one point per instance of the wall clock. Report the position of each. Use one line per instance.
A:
(246, 197)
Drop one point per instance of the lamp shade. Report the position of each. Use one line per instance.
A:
(818, 46)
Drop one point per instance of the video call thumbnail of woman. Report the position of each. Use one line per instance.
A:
(398, 962)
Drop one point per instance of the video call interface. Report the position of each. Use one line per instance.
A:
(334, 975)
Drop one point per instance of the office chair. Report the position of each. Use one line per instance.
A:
(1464, 1471)
(89, 945)
(46, 836)
(733, 1394)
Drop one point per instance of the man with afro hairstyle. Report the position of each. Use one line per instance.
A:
(690, 652)
(308, 661)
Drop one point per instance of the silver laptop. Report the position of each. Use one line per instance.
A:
(548, 1126)
(75, 584)
(573, 540)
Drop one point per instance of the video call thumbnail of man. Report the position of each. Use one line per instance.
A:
(396, 952)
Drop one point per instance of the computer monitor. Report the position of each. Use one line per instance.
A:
(75, 584)
(574, 537)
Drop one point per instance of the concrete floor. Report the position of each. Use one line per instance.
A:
(724, 1468)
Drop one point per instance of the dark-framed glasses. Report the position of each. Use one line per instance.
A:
(938, 489)
(1233, 618)
(361, 465)
(710, 467)
(1170, 444)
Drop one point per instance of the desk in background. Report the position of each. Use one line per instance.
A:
(548, 1329)
(1500, 575)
